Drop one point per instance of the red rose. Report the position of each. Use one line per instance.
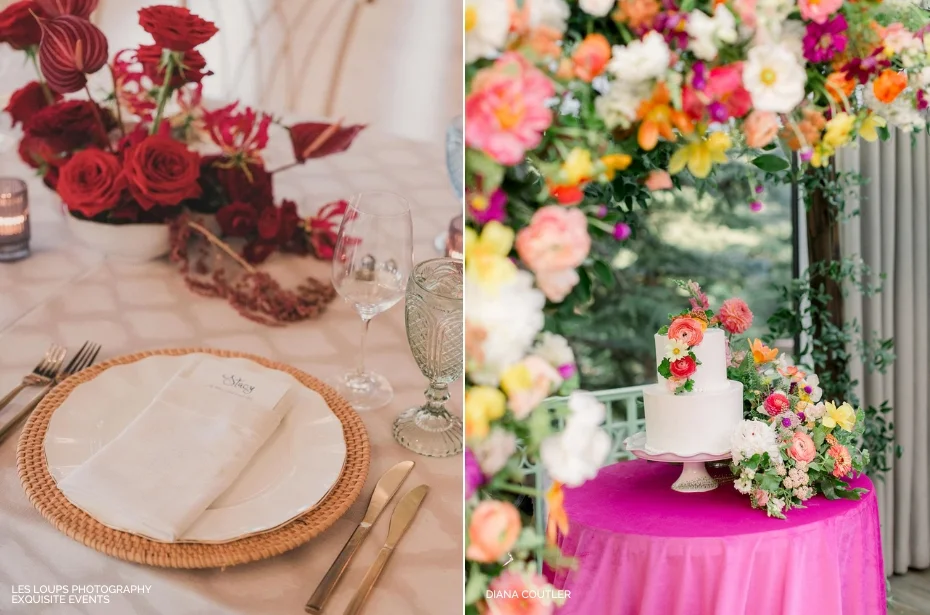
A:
(26, 101)
(237, 219)
(78, 8)
(258, 251)
(269, 223)
(191, 69)
(254, 187)
(92, 182)
(70, 125)
(71, 48)
(161, 171)
(38, 154)
(175, 28)
(18, 27)
(316, 140)
(683, 368)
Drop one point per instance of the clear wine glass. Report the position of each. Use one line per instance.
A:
(371, 264)
(455, 144)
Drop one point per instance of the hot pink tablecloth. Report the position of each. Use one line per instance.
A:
(643, 549)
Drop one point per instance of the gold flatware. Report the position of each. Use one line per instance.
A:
(82, 360)
(387, 486)
(401, 519)
(41, 374)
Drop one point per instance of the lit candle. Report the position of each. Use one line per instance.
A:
(14, 219)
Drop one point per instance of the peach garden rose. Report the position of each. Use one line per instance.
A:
(493, 530)
(802, 447)
(687, 330)
(552, 246)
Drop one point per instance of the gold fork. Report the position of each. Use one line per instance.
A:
(82, 360)
(43, 373)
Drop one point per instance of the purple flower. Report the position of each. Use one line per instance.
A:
(806, 154)
(792, 387)
(922, 102)
(759, 189)
(786, 422)
(474, 477)
(756, 206)
(622, 231)
(808, 389)
(863, 69)
(699, 79)
(567, 371)
(484, 209)
(801, 416)
(717, 111)
(601, 211)
(825, 40)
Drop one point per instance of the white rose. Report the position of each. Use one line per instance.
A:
(574, 455)
(640, 60)
(598, 8)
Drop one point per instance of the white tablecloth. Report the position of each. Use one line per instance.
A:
(66, 293)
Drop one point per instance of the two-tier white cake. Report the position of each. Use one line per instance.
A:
(700, 421)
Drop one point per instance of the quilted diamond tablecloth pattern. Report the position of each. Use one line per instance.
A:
(66, 293)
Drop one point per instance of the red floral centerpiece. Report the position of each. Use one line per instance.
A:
(123, 164)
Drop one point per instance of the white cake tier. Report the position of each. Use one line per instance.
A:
(687, 425)
(711, 374)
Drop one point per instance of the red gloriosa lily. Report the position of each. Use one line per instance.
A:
(324, 227)
(71, 48)
(240, 134)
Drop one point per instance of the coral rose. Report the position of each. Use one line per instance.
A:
(842, 461)
(556, 285)
(888, 85)
(556, 239)
(162, 171)
(735, 316)
(658, 180)
(507, 110)
(26, 101)
(493, 530)
(175, 27)
(687, 330)
(760, 128)
(591, 57)
(92, 182)
(683, 368)
(776, 403)
(802, 447)
(18, 28)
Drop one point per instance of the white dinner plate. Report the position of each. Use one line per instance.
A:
(293, 471)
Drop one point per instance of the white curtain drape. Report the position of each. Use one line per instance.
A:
(891, 235)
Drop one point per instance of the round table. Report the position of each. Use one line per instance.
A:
(643, 549)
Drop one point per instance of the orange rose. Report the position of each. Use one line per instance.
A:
(839, 85)
(687, 330)
(493, 530)
(591, 57)
(888, 85)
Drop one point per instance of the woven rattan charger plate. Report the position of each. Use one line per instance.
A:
(44, 494)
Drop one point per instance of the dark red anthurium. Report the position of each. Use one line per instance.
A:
(71, 48)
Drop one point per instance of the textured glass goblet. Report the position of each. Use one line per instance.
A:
(434, 331)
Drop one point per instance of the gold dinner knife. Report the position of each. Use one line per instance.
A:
(403, 516)
(387, 486)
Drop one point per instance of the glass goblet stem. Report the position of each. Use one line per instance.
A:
(360, 361)
(436, 397)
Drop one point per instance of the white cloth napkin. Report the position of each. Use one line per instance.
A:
(191, 442)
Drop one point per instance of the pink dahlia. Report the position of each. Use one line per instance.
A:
(506, 112)
(776, 403)
(735, 316)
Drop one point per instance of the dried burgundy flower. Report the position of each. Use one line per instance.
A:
(26, 101)
(71, 48)
(237, 219)
(269, 223)
(78, 8)
(316, 140)
(191, 68)
(19, 27)
(70, 125)
(175, 27)
(258, 251)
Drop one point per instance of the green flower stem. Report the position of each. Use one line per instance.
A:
(164, 93)
(103, 127)
(518, 489)
(35, 63)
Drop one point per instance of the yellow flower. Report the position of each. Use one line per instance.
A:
(839, 130)
(844, 416)
(516, 378)
(615, 162)
(699, 156)
(486, 255)
(822, 154)
(577, 167)
(870, 126)
(762, 353)
(482, 405)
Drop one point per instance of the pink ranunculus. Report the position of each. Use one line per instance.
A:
(515, 592)
(687, 330)
(802, 447)
(506, 112)
(818, 11)
(725, 85)
(557, 284)
(762, 497)
(776, 403)
(760, 128)
(493, 530)
(556, 239)
(658, 180)
(735, 316)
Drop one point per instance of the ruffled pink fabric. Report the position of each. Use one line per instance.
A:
(643, 549)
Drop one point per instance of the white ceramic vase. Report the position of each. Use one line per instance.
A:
(127, 242)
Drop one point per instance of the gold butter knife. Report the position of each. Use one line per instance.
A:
(387, 486)
(403, 516)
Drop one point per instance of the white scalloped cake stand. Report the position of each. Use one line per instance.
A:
(694, 477)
